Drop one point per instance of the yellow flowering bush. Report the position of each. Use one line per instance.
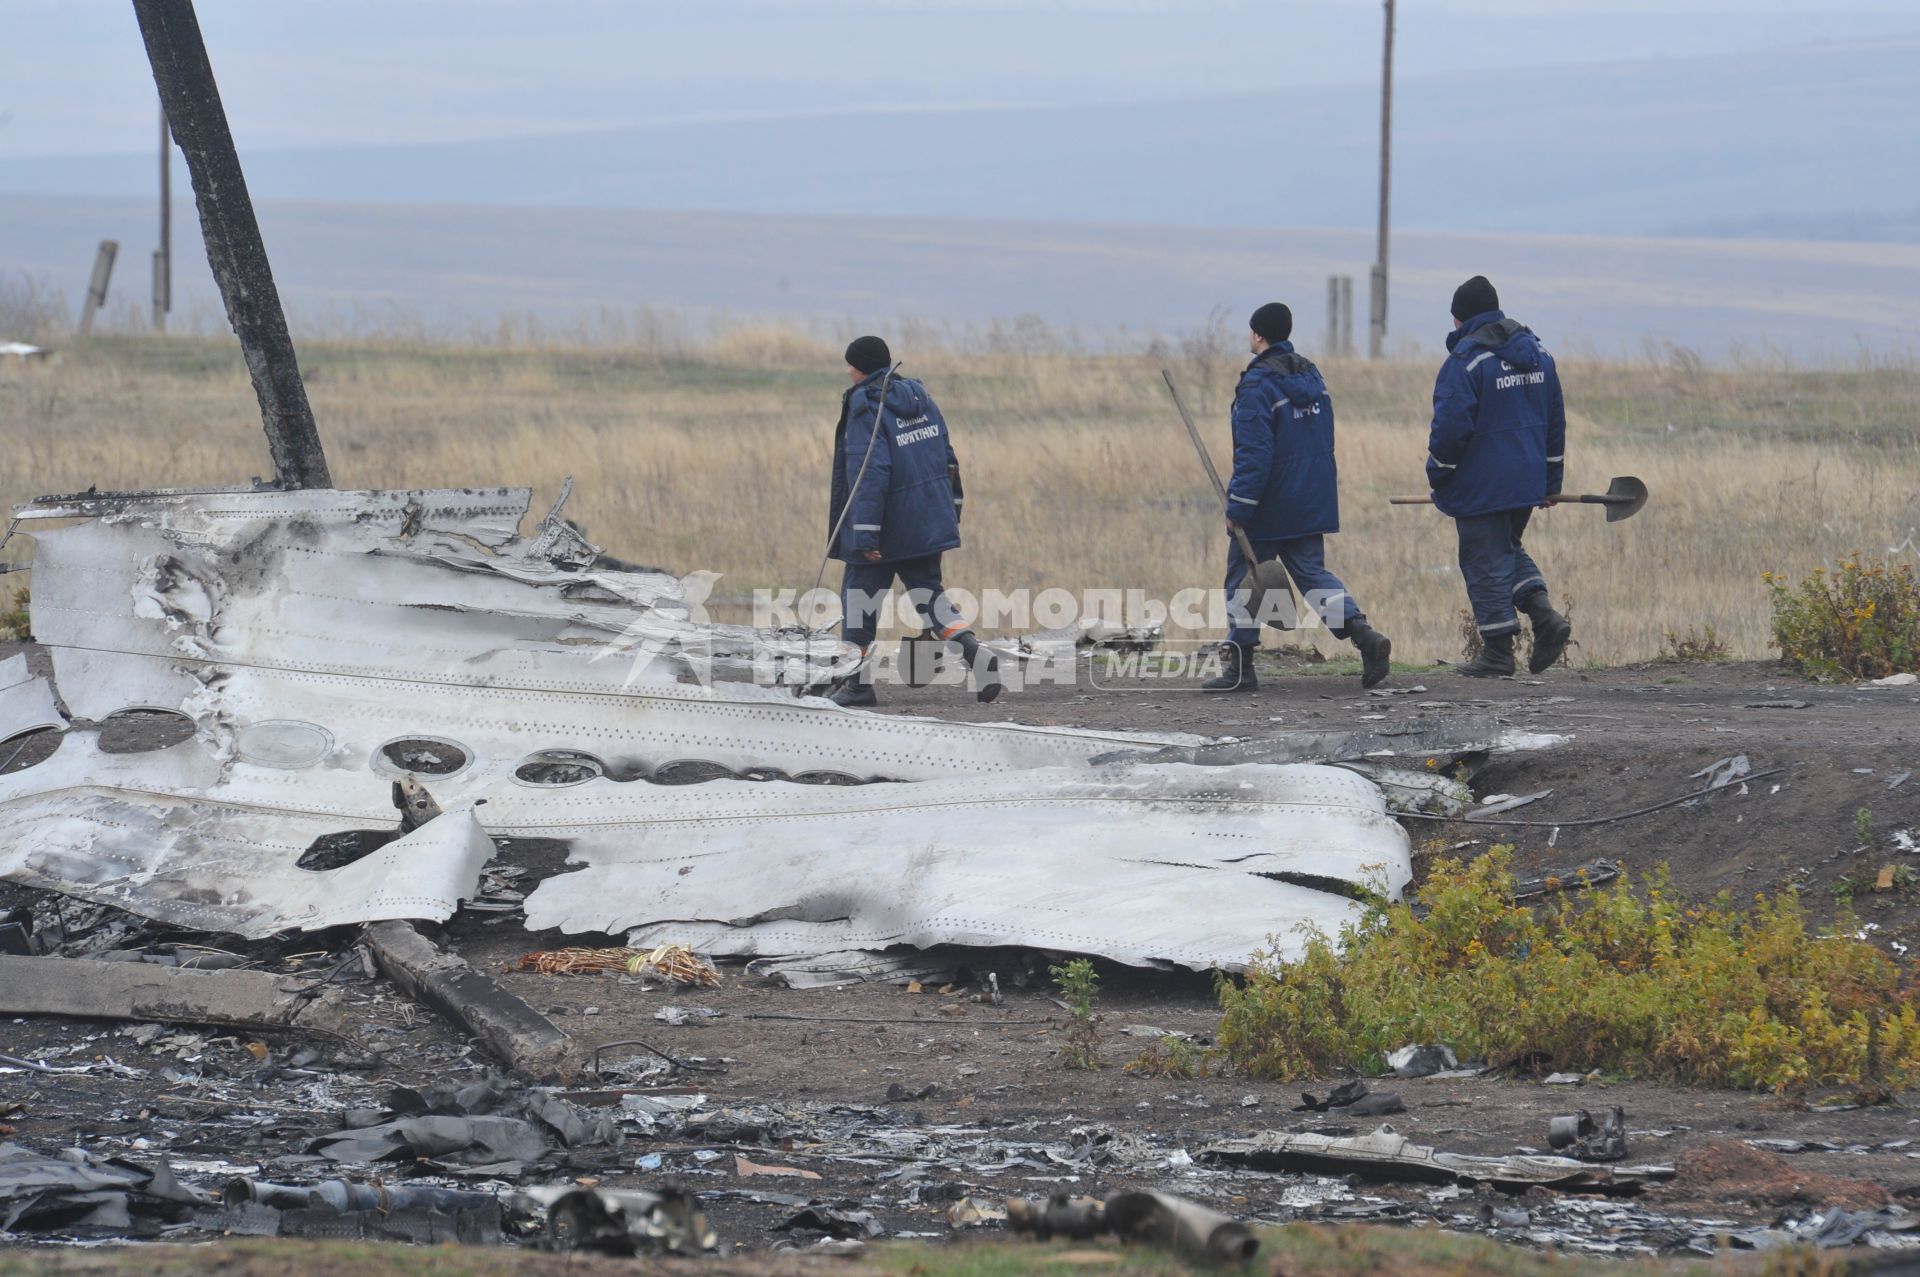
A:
(1860, 620)
(1624, 978)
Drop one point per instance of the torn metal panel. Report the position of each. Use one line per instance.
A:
(624, 1221)
(489, 515)
(1387, 1154)
(182, 995)
(268, 600)
(1407, 790)
(326, 644)
(85, 1194)
(154, 834)
(1192, 866)
(858, 966)
(1425, 737)
(1087, 634)
(26, 703)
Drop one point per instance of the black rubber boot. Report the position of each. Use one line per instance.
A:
(1495, 659)
(855, 693)
(1376, 651)
(986, 669)
(1236, 671)
(1550, 632)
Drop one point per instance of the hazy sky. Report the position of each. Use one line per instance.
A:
(74, 80)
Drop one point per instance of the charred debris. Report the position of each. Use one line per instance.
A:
(272, 735)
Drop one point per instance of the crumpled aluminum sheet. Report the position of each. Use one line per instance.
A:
(1190, 867)
(104, 827)
(26, 702)
(1430, 736)
(301, 632)
(326, 606)
(1388, 1154)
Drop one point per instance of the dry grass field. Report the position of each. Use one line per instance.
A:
(1078, 473)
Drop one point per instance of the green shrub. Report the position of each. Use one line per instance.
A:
(15, 624)
(1861, 620)
(1080, 988)
(1626, 979)
(1471, 644)
(1171, 1057)
(1696, 647)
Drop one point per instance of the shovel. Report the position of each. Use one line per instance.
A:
(1268, 575)
(1623, 498)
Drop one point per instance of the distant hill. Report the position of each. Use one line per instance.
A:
(1796, 138)
(445, 268)
(1850, 228)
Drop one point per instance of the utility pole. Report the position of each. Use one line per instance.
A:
(191, 100)
(163, 255)
(1377, 338)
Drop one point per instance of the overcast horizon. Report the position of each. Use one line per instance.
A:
(988, 127)
(74, 80)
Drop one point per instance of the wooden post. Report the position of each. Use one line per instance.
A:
(191, 100)
(163, 255)
(1333, 315)
(97, 286)
(1377, 336)
(1346, 316)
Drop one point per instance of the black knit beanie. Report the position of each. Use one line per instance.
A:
(1475, 297)
(1273, 321)
(868, 354)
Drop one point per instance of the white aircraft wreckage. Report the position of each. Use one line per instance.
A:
(331, 648)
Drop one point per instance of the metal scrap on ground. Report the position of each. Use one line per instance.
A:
(1162, 1219)
(907, 1169)
(140, 991)
(1386, 1154)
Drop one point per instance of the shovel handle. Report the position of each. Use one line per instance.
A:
(1238, 533)
(1558, 498)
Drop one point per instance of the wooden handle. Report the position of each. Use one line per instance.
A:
(1557, 498)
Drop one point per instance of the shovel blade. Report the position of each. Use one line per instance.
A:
(1625, 496)
(1270, 581)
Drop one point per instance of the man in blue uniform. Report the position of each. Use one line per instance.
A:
(1496, 451)
(1285, 495)
(895, 510)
